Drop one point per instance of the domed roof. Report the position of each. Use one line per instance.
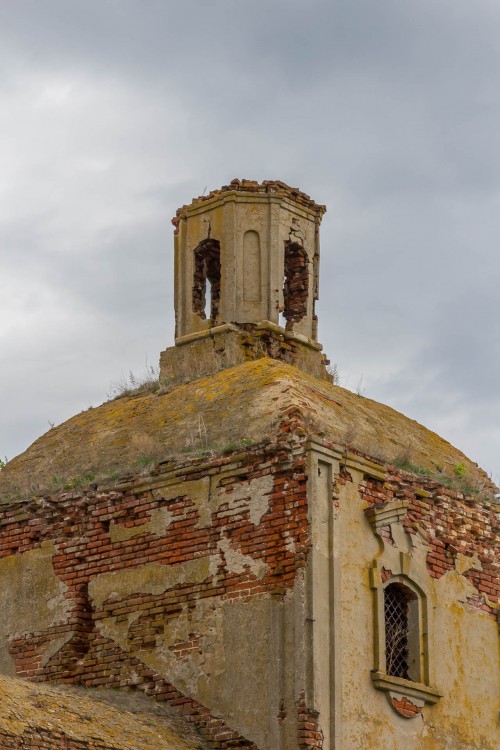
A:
(62, 715)
(224, 410)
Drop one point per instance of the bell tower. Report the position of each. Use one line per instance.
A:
(246, 280)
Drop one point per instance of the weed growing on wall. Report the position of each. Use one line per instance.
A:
(148, 382)
(333, 371)
(458, 480)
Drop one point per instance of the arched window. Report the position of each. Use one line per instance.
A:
(207, 274)
(403, 665)
(401, 624)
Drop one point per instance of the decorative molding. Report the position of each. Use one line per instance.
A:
(386, 515)
(406, 688)
(365, 466)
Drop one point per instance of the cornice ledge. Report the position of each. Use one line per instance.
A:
(410, 689)
(385, 515)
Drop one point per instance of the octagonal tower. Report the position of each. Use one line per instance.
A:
(246, 280)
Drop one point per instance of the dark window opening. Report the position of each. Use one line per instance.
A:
(295, 283)
(397, 599)
(206, 283)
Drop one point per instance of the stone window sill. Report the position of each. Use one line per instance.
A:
(405, 687)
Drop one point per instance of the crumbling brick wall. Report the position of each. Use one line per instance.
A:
(245, 540)
(454, 524)
(296, 284)
(251, 552)
(309, 734)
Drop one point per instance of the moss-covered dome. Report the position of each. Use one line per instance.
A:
(59, 717)
(228, 409)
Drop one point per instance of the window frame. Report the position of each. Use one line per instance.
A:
(207, 279)
(416, 631)
(420, 688)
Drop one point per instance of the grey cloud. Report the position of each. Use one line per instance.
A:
(118, 111)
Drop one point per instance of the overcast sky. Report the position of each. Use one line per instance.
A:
(115, 112)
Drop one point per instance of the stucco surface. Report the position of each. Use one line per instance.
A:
(238, 644)
(201, 414)
(235, 669)
(146, 579)
(32, 576)
(465, 717)
(36, 600)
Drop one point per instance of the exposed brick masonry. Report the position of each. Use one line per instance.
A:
(453, 523)
(296, 286)
(405, 707)
(79, 525)
(252, 186)
(309, 735)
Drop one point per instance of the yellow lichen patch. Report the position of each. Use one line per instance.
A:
(68, 714)
(247, 401)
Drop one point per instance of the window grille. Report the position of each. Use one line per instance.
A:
(396, 631)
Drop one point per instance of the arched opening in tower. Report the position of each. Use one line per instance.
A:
(206, 282)
(295, 283)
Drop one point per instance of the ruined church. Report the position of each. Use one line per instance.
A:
(278, 562)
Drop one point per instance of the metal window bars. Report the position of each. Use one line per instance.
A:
(396, 631)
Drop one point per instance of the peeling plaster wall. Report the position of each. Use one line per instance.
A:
(178, 585)
(240, 590)
(33, 598)
(463, 640)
